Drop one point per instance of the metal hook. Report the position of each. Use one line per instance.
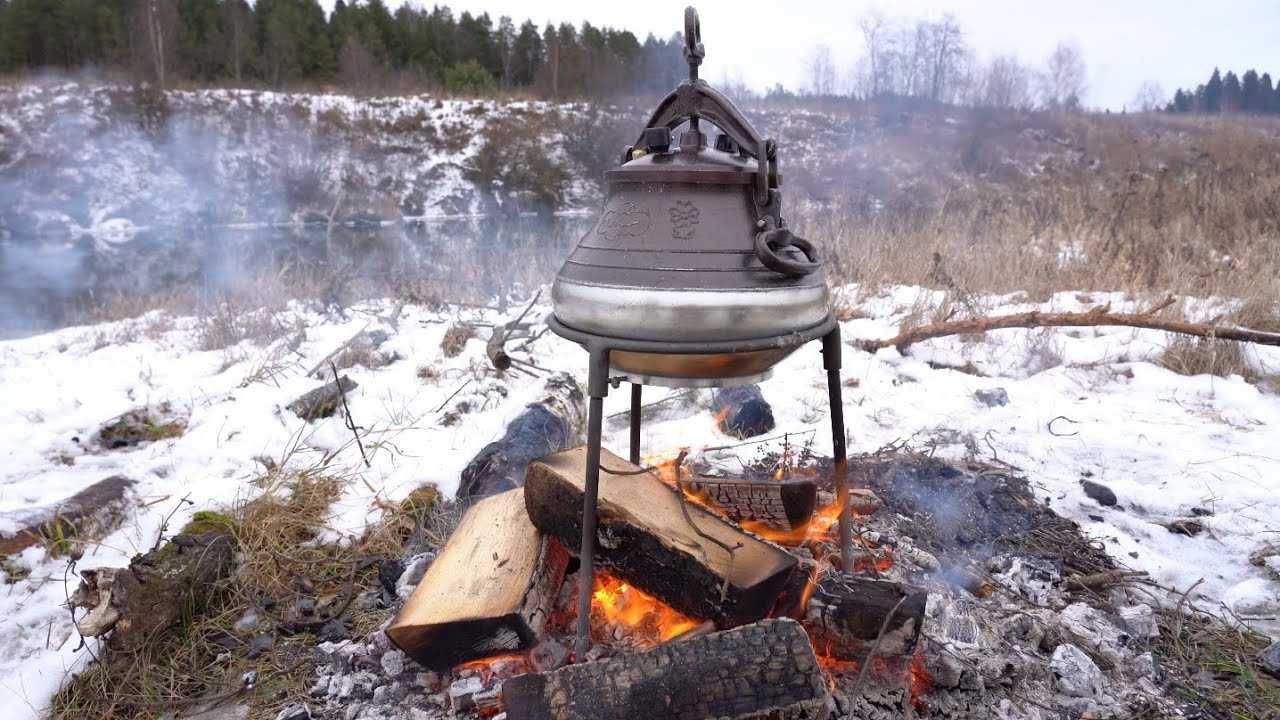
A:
(693, 49)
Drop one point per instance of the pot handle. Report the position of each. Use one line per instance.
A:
(770, 241)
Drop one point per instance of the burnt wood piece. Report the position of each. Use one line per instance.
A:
(742, 412)
(763, 670)
(94, 512)
(159, 590)
(845, 615)
(779, 504)
(490, 591)
(552, 423)
(644, 538)
(323, 401)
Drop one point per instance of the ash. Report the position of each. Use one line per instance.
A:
(1027, 618)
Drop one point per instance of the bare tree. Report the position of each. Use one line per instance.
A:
(355, 65)
(1006, 84)
(155, 37)
(875, 35)
(236, 18)
(822, 71)
(1063, 84)
(946, 50)
(1150, 97)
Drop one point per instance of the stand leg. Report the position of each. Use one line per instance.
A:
(597, 388)
(635, 423)
(840, 462)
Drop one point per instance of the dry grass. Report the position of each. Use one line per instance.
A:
(282, 558)
(1211, 661)
(1202, 356)
(455, 338)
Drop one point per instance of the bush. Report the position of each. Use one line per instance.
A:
(468, 78)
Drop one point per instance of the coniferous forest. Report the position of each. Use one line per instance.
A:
(361, 45)
(1247, 93)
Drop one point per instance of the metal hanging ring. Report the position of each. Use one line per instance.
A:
(693, 48)
(769, 242)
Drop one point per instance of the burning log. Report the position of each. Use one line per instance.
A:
(766, 669)
(698, 563)
(490, 591)
(553, 423)
(847, 615)
(742, 411)
(93, 512)
(782, 505)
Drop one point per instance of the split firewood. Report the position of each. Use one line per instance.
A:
(552, 423)
(1102, 316)
(698, 563)
(779, 504)
(847, 615)
(489, 592)
(763, 670)
(155, 592)
(93, 512)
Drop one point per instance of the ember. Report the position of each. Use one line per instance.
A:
(646, 620)
(921, 681)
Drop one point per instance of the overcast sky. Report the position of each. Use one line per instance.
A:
(1176, 43)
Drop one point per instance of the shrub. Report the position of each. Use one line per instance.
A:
(468, 78)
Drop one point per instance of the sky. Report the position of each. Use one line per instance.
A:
(1175, 43)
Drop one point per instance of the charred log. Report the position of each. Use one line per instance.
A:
(783, 505)
(490, 591)
(553, 423)
(763, 670)
(847, 616)
(701, 565)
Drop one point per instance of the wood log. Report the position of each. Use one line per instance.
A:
(489, 592)
(323, 401)
(1146, 320)
(645, 538)
(846, 615)
(742, 412)
(763, 670)
(552, 423)
(779, 504)
(92, 513)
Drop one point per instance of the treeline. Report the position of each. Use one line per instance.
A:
(361, 45)
(1247, 93)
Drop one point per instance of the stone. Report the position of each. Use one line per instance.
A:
(248, 621)
(414, 569)
(1269, 659)
(1140, 621)
(1099, 493)
(993, 397)
(1074, 673)
(294, 711)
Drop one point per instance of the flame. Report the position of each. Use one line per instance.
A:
(621, 604)
(821, 526)
(921, 681)
(721, 417)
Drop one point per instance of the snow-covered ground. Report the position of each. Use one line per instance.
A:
(1164, 443)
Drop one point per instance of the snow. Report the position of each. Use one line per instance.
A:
(1164, 443)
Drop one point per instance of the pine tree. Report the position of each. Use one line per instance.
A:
(1251, 93)
(1266, 94)
(1212, 101)
(1230, 92)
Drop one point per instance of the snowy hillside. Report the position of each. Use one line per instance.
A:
(1084, 404)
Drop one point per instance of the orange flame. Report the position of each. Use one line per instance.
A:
(821, 526)
(623, 605)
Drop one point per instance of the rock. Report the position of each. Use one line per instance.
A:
(1269, 659)
(993, 397)
(248, 621)
(1140, 621)
(324, 400)
(414, 569)
(1074, 673)
(1099, 493)
(393, 663)
(742, 412)
(294, 711)
(1190, 528)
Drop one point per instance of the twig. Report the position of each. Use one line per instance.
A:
(1103, 579)
(684, 510)
(1058, 434)
(325, 360)
(455, 393)
(346, 410)
(884, 627)
(164, 524)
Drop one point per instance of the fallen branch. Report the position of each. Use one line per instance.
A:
(514, 330)
(1098, 316)
(347, 420)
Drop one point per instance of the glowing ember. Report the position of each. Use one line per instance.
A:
(921, 681)
(497, 667)
(645, 618)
